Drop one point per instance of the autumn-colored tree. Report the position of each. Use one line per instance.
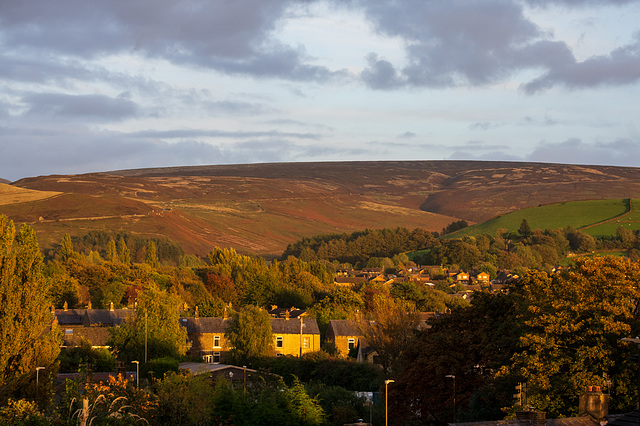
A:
(28, 339)
(575, 322)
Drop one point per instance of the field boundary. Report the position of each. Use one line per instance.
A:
(626, 213)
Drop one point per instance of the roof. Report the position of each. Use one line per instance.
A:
(69, 316)
(629, 419)
(204, 324)
(344, 328)
(292, 326)
(106, 316)
(204, 368)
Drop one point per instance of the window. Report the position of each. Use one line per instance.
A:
(352, 343)
(207, 358)
(279, 342)
(216, 341)
(306, 342)
(216, 357)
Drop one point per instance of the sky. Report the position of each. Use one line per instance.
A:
(100, 85)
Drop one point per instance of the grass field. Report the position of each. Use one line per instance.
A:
(606, 215)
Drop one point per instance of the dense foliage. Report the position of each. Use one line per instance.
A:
(359, 247)
(558, 333)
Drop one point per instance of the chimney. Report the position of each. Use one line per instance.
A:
(533, 418)
(65, 306)
(286, 315)
(224, 313)
(111, 306)
(89, 305)
(196, 314)
(594, 403)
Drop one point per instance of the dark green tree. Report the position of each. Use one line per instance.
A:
(524, 229)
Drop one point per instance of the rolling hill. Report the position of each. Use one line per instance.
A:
(260, 208)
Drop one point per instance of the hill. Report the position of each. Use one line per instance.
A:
(594, 217)
(260, 208)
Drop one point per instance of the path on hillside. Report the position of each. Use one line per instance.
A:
(626, 213)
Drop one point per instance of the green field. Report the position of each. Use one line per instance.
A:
(595, 217)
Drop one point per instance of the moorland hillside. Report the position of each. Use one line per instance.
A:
(260, 208)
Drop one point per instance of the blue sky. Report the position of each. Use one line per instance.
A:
(114, 84)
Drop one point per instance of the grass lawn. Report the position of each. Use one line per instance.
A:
(554, 216)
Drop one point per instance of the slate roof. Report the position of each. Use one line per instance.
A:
(106, 317)
(344, 328)
(292, 326)
(204, 324)
(70, 316)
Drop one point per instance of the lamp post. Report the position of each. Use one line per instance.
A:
(38, 380)
(452, 376)
(386, 401)
(137, 363)
(244, 378)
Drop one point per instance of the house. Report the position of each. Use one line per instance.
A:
(295, 336)
(207, 337)
(462, 277)
(89, 325)
(482, 278)
(344, 335)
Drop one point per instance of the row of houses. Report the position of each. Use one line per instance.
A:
(353, 278)
(293, 334)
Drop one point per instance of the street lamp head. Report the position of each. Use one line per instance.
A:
(451, 376)
(135, 362)
(386, 382)
(39, 368)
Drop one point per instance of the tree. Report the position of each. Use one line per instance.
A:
(249, 333)
(525, 229)
(152, 255)
(575, 322)
(112, 252)
(156, 319)
(390, 329)
(27, 337)
(66, 248)
(123, 252)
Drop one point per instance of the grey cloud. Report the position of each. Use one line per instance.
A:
(99, 107)
(407, 135)
(620, 67)
(204, 133)
(77, 149)
(233, 37)
(480, 42)
(619, 152)
(451, 43)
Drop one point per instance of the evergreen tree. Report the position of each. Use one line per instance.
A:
(525, 229)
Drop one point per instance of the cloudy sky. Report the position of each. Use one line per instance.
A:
(98, 85)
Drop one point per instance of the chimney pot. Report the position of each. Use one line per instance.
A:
(590, 388)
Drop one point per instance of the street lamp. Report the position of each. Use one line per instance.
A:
(38, 380)
(386, 401)
(137, 363)
(452, 376)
